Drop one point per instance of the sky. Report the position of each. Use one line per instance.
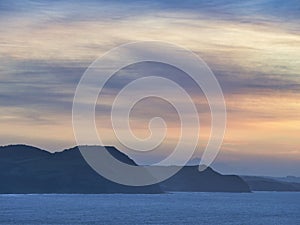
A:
(253, 48)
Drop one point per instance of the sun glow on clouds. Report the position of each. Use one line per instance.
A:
(45, 48)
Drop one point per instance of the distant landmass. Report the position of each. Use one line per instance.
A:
(27, 169)
(290, 179)
(272, 184)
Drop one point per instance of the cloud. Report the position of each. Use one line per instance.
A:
(253, 47)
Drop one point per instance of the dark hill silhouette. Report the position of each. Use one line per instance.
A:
(189, 179)
(26, 169)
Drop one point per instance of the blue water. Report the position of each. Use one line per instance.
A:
(174, 208)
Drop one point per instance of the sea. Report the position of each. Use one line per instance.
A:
(172, 208)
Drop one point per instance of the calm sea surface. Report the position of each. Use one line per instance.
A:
(174, 208)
